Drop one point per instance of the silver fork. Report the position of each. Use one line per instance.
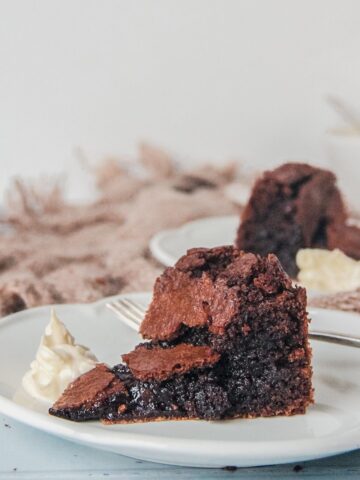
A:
(132, 313)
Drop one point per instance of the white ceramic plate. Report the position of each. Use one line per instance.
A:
(168, 246)
(331, 426)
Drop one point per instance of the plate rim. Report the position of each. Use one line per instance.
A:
(166, 258)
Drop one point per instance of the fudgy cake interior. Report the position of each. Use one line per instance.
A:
(228, 337)
(291, 207)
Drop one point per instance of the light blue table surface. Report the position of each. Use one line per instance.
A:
(29, 454)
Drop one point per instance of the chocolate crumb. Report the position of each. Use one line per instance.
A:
(298, 468)
(122, 408)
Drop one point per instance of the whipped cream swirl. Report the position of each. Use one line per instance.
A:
(59, 360)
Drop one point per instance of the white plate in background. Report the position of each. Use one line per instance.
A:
(330, 426)
(168, 246)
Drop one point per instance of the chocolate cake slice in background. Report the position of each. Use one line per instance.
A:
(345, 238)
(228, 338)
(292, 207)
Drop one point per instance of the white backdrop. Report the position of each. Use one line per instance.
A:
(207, 79)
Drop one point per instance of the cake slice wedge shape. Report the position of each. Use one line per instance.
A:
(226, 337)
(293, 206)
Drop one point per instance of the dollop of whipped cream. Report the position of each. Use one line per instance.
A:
(59, 360)
(327, 271)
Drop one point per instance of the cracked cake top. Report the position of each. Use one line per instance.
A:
(206, 288)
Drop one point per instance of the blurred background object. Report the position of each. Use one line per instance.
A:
(343, 149)
(205, 79)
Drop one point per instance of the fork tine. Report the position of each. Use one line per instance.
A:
(124, 316)
(120, 312)
(135, 307)
(142, 308)
(124, 309)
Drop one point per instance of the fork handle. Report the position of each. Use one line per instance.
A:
(332, 337)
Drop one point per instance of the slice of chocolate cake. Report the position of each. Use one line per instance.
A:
(291, 207)
(228, 338)
(90, 395)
